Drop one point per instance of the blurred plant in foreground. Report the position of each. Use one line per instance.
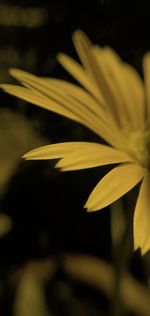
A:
(31, 280)
(17, 134)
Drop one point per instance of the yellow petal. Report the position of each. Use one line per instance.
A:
(119, 84)
(135, 89)
(84, 97)
(146, 68)
(83, 46)
(86, 52)
(142, 216)
(84, 49)
(91, 156)
(37, 99)
(129, 86)
(78, 72)
(116, 183)
(54, 151)
(78, 110)
(78, 155)
(125, 89)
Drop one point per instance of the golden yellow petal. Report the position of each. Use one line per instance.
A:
(79, 155)
(135, 89)
(115, 184)
(83, 47)
(125, 89)
(59, 150)
(77, 108)
(84, 98)
(37, 99)
(129, 86)
(91, 156)
(106, 82)
(86, 52)
(142, 216)
(78, 72)
(146, 69)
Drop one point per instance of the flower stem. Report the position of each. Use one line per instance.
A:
(121, 228)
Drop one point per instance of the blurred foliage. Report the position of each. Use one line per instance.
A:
(17, 135)
(41, 215)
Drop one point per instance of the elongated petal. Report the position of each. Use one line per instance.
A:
(146, 68)
(142, 216)
(90, 157)
(59, 150)
(84, 49)
(130, 87)
(35, 98)
(78, 155)
(78, 72)
(118, 83)
(126, 91)
(116, 183)
(86, 52)
(84, 98)
(135, 88)
(78, 110)
(83, 46)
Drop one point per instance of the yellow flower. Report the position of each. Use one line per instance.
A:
(115, 104)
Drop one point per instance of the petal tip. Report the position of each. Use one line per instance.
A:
(88, 207)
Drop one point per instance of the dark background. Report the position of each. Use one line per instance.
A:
(46, 206)
(43, 202)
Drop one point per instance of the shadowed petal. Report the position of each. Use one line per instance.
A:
(119, 84)
(99, 75)
(126, 90)
(116, 183)
(142, 216)
(135, 89)
(146, 68)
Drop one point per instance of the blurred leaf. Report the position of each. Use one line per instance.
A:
(17, 135)
(30, 298)
(5, 224)
(101, 275)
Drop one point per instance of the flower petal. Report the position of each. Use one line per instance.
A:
(59, 150)
(142, 216)
(91, 156)
(84, 97)
(78, 72)
(84, 49)
(118, 83)
(126, 91)
(78, 155)
(135, 89)
(78, 110)
(146, 68)
(116, 183)
(99, 75)
(37, 99)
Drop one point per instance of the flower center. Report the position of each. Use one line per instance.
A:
(137, 145)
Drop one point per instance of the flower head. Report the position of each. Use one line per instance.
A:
(113, 102)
